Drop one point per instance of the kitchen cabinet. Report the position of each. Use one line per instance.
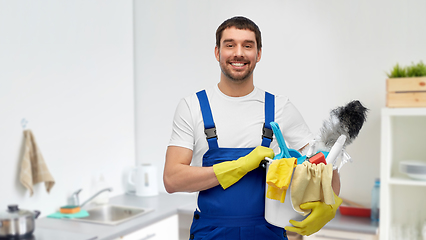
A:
(164, 229)
(403, 132)
(326, 234)
(185, 221)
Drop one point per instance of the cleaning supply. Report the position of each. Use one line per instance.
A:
(345, 159)
(285, 152)
(230, 172)
(281, 168)
(336, 150)
(375, 201)
(347, 120)
(281, 143)
(318, 158)
(321, 214)
(69, 209)
(81, 214)
(280, 214)
(311, 149)
(311, 182)
(278, 178)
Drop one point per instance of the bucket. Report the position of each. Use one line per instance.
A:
(277, 213)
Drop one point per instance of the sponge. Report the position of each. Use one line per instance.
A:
(318, 158)
(69, 209)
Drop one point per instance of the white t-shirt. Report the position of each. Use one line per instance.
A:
(238, 120)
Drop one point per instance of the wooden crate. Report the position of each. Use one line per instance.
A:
(406, 92)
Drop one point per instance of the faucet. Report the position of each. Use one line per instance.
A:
(74, 199)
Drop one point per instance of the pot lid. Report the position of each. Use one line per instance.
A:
(14, 212)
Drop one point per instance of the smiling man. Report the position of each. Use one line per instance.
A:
(221, 134)
(237, 53)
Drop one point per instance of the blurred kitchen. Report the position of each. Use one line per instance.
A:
(97, 83)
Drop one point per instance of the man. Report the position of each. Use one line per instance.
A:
(220, 136)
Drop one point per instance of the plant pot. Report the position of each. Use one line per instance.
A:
(406, 92)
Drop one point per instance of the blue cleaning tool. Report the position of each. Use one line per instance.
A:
(285, 151)
(281, 143)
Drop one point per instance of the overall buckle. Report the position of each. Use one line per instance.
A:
(210, 132)
(267, 133)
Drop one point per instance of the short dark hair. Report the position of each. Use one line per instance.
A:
(240, 23)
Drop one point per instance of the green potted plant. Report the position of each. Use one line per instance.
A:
(415, 70)
(406, 86)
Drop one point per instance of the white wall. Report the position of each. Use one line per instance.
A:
(67, 67)
(322, 54)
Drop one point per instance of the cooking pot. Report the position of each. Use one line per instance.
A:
(17, 223)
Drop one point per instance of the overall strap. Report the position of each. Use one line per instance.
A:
(209, 127)
(269, 117)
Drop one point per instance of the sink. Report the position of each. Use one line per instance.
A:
(112, 214)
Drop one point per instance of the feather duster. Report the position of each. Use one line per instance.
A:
(345, 120)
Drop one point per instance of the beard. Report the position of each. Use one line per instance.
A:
(236, 76)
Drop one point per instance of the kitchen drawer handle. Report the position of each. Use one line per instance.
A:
(149, 236)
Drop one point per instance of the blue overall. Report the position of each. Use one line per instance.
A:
(237, 212)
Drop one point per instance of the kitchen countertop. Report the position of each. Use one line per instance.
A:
(164, 205)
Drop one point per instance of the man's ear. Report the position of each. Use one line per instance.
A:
(259, 55)
(217, 53)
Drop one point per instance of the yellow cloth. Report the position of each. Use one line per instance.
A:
(279, 178)
(33, 168)
(311, 183)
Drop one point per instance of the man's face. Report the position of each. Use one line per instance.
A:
(238, 53)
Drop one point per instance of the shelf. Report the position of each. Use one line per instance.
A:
(406, 181)
(402, 138)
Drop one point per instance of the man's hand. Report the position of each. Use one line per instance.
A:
(230, 172)
(321, 214)
(252, 160)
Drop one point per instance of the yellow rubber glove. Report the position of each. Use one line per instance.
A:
(321, 214)
(230, 172)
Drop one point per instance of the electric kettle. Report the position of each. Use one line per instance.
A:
(144, 180)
